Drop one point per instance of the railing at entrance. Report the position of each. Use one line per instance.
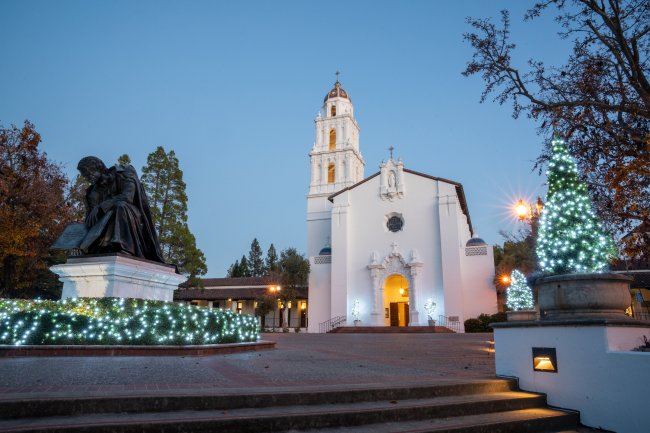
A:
(332, 323)
(453, 325)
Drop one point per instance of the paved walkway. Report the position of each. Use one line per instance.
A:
(299, 360)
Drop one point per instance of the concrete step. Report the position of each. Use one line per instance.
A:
(501, 411)
(537, 420)
(224, 399)
(391, 330)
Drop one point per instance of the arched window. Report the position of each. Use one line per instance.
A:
(333, 111)
(330, 173)
(332, 139)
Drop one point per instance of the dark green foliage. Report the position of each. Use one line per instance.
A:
(293, 272)
(265, 305)
(233, 270)
(163, 181)
(244, 267)
(120, 321)
(482, 322)
(255, 261)
(474, 325)
(271, 261)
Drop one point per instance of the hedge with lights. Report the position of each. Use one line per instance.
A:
(118, 321)
(570, 238)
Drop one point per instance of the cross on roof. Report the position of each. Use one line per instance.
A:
(391, 151)
(337, 76)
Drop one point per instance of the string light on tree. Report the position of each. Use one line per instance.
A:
(520, 297)
(571, 239)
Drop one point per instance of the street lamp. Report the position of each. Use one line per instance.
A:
(274, 291)
(521, 210)
(528, 211)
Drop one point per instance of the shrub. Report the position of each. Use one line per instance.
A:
(120, 321)
(483, 321)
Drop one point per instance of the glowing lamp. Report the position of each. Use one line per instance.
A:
(505, 279)
(303, 306)
(544, 359)
(522, 210)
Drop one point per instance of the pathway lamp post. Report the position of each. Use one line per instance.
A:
(274, 291)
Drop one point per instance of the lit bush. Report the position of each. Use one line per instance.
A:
(120, 321)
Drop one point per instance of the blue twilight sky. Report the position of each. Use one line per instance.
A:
(234, 86)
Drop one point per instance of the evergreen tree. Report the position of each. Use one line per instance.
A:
(571, 239)
(124, 159)
(520, 297)
(233, 270)
(271, 261)
(163, 181)
(255, 261)
(244, 267)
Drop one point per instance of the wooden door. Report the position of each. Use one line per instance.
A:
(394, 314)
(406, 314)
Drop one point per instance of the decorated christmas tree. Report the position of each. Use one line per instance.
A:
(520, 297)
(570, 238)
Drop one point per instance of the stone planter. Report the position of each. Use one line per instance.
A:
(575, 296)
(520, 315)
(432, 322)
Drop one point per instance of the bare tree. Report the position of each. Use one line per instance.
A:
(599, 100)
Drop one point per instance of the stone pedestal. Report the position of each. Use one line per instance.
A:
(118, 276)
(583, 295)
(519, 315)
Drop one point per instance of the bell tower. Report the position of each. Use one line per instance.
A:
(336, 161)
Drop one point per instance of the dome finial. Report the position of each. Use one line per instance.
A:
(337, 75)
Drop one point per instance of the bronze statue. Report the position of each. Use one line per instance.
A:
(118, 218)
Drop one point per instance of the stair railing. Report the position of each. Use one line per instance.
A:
(453, 325)
(332, 323)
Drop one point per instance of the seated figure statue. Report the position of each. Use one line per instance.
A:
(118, 217)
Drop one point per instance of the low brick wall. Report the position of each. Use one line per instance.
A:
(96, 350)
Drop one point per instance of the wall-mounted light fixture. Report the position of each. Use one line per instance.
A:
(544, 359)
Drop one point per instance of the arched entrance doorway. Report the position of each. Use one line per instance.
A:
(396, 301)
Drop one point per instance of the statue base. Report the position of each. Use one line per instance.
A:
(117, 276)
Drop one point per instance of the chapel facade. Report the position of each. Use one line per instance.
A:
(384, 247)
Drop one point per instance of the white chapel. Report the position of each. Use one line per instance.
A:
(387, 244)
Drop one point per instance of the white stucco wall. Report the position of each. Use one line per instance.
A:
(478, 284)
(598, 374)
(436, 232)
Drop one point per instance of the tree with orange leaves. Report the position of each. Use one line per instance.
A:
(33, 211)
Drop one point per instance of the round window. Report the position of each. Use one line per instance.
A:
(395, 224)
